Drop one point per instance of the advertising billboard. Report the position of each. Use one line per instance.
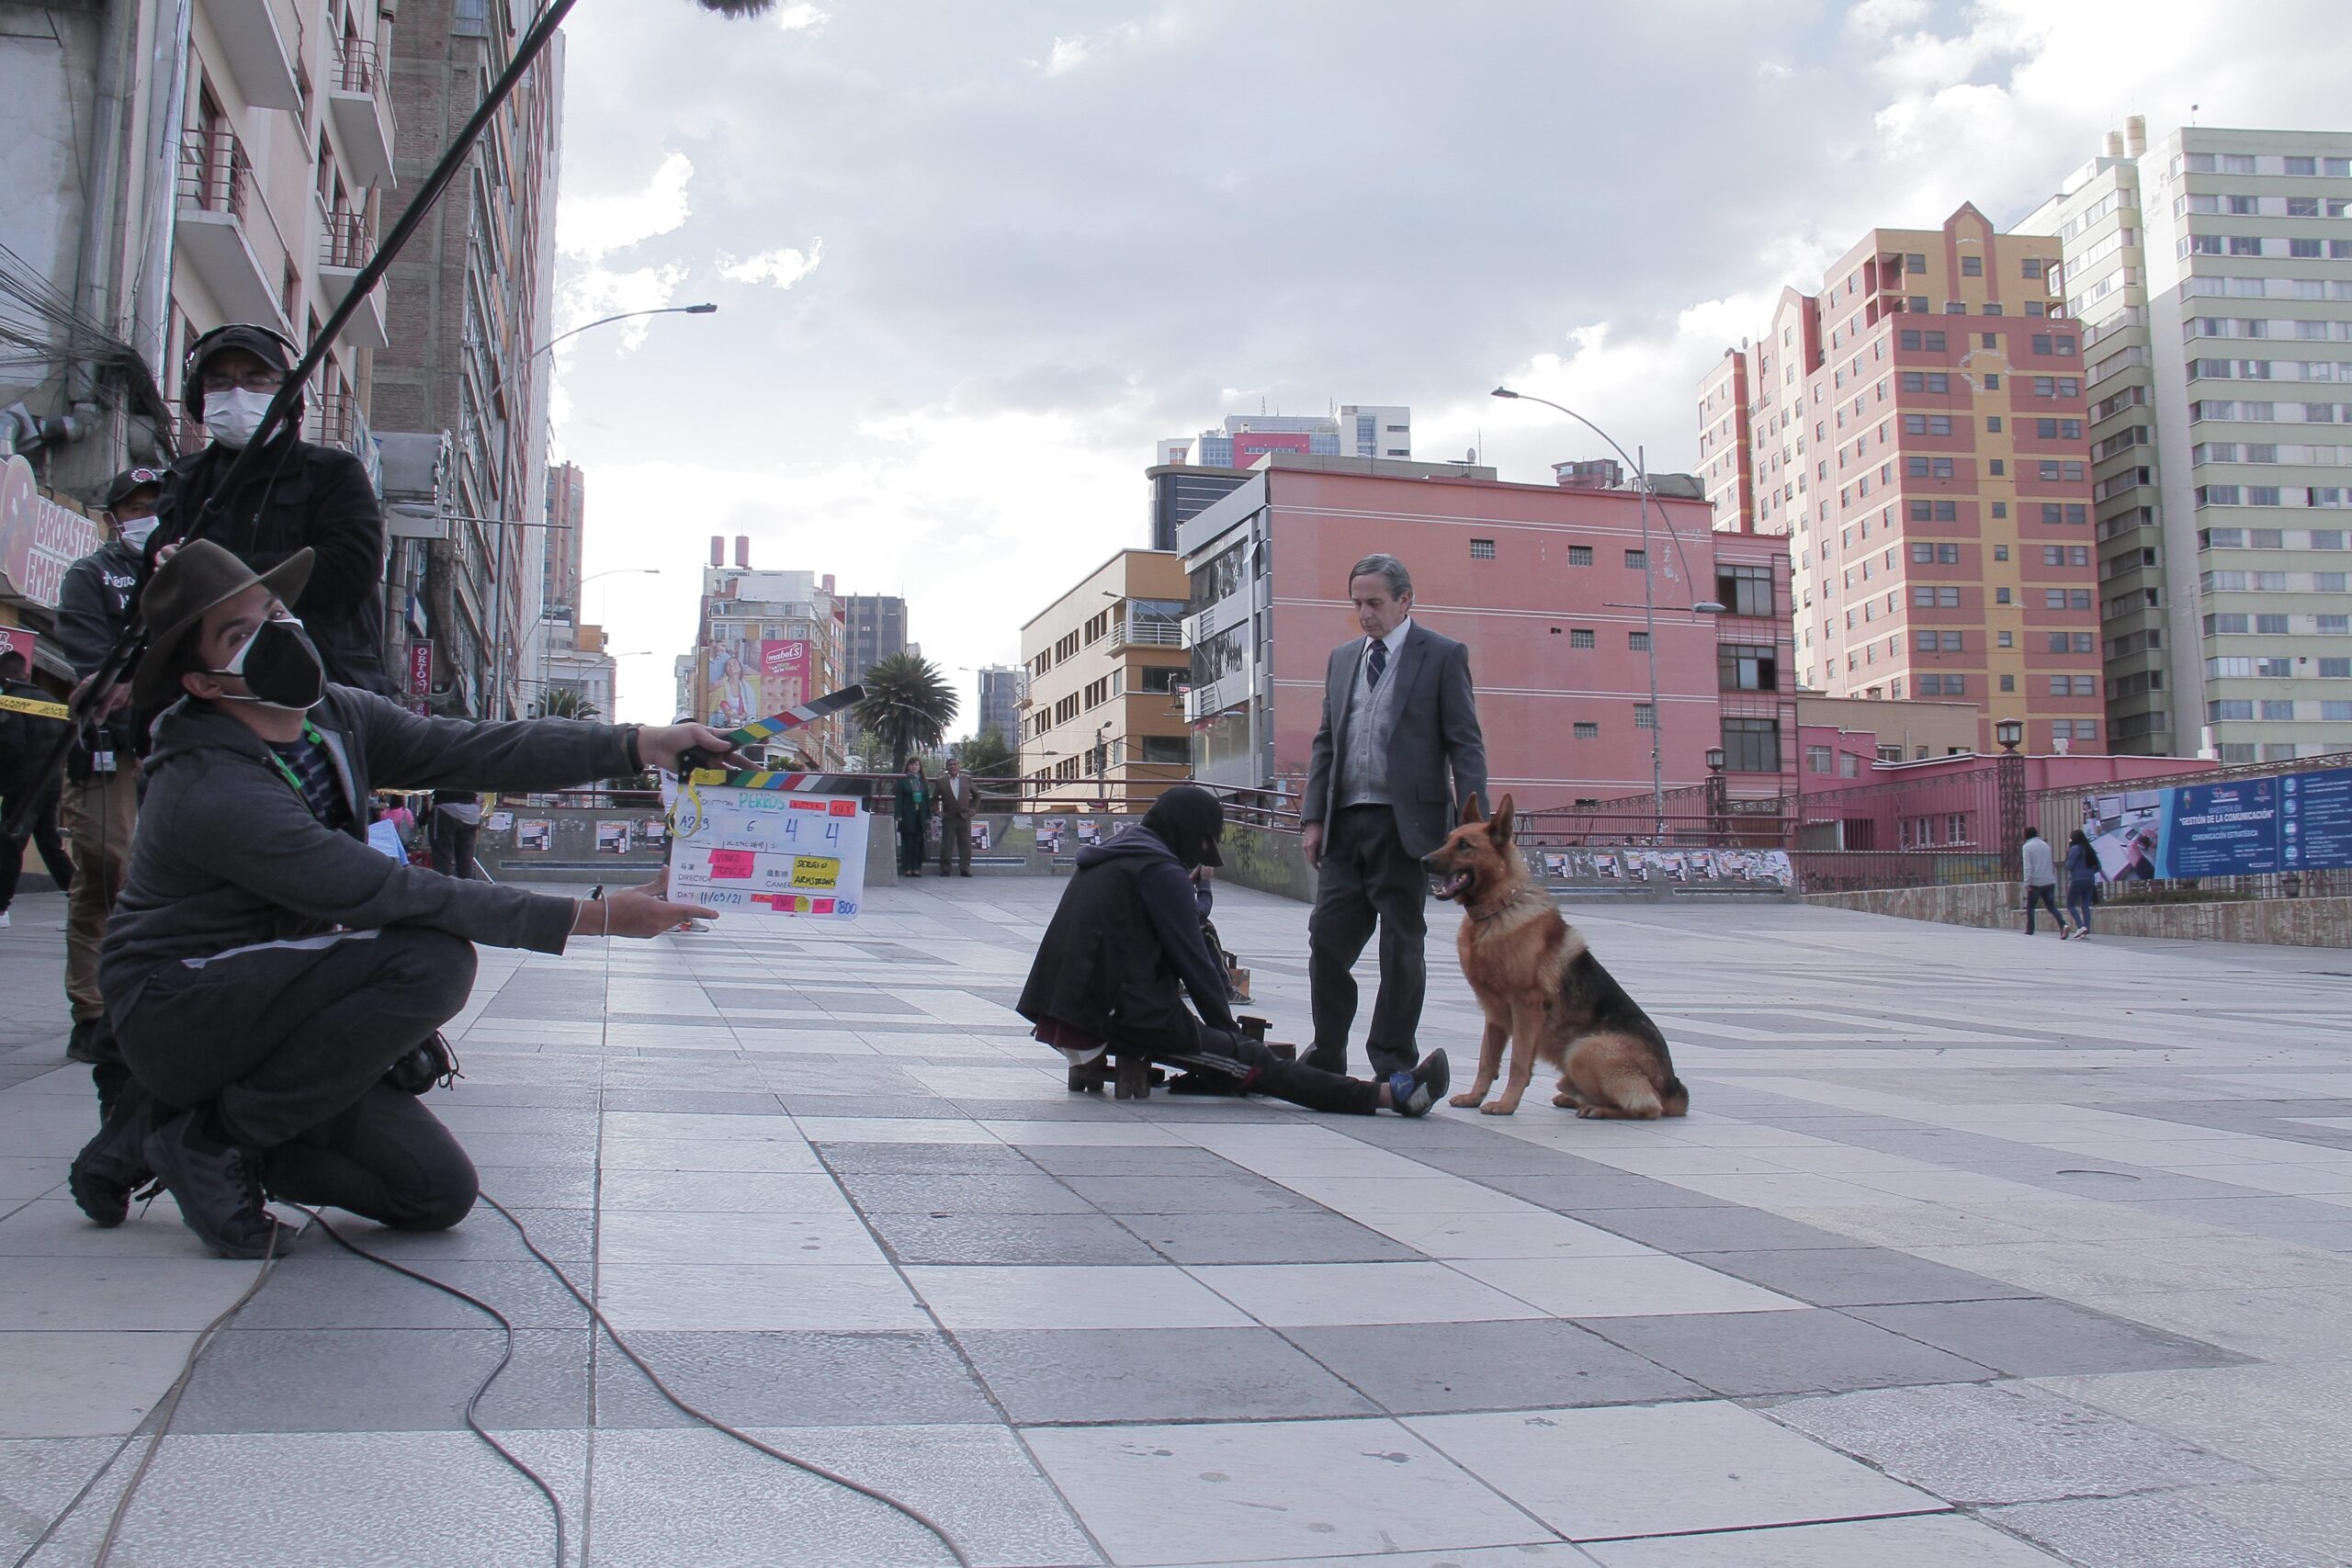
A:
(2233, 828)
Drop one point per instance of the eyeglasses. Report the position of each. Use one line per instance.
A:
(253, 381)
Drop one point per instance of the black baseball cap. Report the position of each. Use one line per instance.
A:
(131, 481)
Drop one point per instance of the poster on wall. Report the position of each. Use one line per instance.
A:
(1089, 831)
(1050, 835)
(980, 834)
(2232, 827)
(2317, 808)
(759, 851)
(1718, 870)
(612, 838)
(537, 833)
(784, 674)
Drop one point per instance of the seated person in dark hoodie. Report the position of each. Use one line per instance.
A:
(264, 968)
(1127, 935)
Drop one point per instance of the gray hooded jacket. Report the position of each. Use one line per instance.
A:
(228, 855)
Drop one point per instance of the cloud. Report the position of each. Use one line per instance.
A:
(801, 17)
(1221, 204)
(780, 266)
(592, 227)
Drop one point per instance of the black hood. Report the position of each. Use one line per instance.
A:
(1188, 819)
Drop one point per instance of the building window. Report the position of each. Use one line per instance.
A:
(1645, 716)
(1743, 668)
(1639, 642)
(1482, 549)
(1745, 589)
(1579, 554)
(1637, 560)
(1751, 745)
(1817, 759)
(1580, 636)
(1587, 730)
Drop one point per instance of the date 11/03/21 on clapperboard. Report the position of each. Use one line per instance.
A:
(769, 851)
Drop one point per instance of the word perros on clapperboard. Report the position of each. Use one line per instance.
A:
(770, 842)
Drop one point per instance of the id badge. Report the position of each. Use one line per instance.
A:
(102, 762)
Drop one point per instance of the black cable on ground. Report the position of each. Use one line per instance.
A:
(505, 1359)
(166, 1410)
(908, 1510)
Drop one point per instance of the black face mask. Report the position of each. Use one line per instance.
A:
(280, 667)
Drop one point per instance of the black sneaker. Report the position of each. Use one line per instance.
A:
(113, 1165)
(217, 1186)
(1413, 1093)
(81, 1046)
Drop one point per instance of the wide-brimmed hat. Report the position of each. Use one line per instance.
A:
(199, 575)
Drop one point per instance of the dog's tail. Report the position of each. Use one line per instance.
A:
(1675, 1099)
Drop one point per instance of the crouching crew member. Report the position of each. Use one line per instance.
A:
(1125, 944)
(265, 969)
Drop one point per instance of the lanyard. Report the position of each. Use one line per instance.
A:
(311, 734)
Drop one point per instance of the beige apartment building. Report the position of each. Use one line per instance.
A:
(2212, 277)
(1107, 667)
(1917, 431)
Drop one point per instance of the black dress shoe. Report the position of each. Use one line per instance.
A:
(81, 1045)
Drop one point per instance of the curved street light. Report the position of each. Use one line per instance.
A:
(702, 309)
(1649, 597)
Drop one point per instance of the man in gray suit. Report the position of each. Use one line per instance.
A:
(1397, 715)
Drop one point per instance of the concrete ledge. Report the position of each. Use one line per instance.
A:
(1999, 906)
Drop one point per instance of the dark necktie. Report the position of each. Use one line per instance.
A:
(1376, 665)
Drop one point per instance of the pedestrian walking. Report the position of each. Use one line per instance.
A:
(911, 800)
(2040, 880)
(2083, 878)
(456, 822)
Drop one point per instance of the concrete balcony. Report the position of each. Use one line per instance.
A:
(347, 244)
(209, 236)
(1148, 631)
(363, 117)
(256, 53)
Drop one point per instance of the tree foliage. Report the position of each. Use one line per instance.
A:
(907, 705)
(563, 702)
(986, 756)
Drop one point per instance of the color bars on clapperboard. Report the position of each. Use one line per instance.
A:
(766, 729)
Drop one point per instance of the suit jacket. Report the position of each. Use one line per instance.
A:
(950, 807)
(1436, 730)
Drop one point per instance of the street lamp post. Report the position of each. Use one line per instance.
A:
(1649, 598)
(704, 309)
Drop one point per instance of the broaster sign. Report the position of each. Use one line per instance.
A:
(38, 538)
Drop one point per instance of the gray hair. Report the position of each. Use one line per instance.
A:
(1388, 568)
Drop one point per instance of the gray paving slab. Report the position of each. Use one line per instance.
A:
(1784, 1352)
(1525, 1364)
(800, 1379)
(1857, 1276)
(385, 1380)
(1010, 1192)
(1008, 1238)
(1095, 1376)
(2038, 1338)
(1283, 1237)
(2005, 1442)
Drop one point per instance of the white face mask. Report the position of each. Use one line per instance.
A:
(135, 532)
(231, 417)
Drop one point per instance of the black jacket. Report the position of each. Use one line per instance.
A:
(24, 740)
(93, 607)
(228, 854)
(1126, 935)
(304, 495)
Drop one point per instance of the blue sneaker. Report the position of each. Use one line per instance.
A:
(1414, 1092)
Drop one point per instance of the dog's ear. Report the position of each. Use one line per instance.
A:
(1471, 811)
(1499, 828)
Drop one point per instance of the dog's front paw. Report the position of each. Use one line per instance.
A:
(1498, 1107)
(1466, 1100)
(1566, 1102)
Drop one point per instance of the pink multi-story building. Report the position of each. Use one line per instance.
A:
(1545, 584)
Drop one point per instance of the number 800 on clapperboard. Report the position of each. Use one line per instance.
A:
(769, 851)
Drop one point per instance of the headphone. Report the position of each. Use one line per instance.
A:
(192, 394)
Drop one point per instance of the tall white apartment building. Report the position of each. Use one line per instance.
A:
(2212, 274)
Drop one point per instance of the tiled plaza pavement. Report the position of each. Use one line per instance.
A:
(1975, 1251)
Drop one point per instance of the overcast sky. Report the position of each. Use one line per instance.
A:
(972, 260)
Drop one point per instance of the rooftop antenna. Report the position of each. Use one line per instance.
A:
(2192, 114)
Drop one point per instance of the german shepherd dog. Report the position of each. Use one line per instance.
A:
(1542, 990)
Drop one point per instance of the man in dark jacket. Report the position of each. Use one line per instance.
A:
(100, 805)
(296, 496)
(1125, 944)
(29, 727)
(265, 968)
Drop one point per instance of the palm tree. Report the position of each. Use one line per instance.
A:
(907, 705)
(563, 702)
